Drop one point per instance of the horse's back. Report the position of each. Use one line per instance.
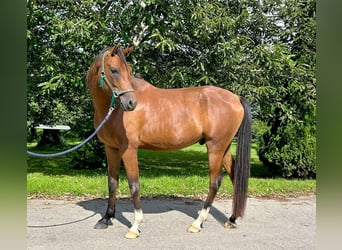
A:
(204, 95)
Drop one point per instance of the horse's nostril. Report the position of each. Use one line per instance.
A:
(132, 103)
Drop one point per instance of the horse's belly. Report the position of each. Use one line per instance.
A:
(169, 139)
(165, 146)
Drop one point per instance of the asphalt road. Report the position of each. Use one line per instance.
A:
(267, 224)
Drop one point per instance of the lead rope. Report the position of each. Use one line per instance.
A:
(111, 109)
(115, 94)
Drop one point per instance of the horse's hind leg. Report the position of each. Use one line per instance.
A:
(228, 163)
(215, 163)
(113, 168)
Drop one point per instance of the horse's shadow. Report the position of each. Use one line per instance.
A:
(187, 206)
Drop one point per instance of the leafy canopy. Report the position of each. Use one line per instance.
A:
(263, 50)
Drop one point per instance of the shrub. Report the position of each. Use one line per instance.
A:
(90, 156)
(291, 152)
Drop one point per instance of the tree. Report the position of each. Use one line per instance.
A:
(59, 49)
(289, 144)
(263, 50)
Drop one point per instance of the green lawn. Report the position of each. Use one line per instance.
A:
(176, 173)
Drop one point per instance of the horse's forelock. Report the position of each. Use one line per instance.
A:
(118, 52)
(122, 56)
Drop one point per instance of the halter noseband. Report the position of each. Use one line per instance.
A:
(115, 92)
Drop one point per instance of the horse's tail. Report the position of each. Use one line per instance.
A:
(242, 163)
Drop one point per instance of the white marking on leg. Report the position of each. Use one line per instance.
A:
(203, 215)
(138, 219)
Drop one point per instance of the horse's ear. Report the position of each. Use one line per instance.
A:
(128, 51)
(114, 49)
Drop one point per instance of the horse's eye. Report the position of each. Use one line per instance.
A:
(114, 70)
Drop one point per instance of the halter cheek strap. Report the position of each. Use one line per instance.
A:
(116, 93)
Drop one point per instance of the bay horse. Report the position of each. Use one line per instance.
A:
(152, 118)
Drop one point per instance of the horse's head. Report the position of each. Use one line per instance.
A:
(116, 77)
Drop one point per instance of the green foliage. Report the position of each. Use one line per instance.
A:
(90, 156)
(262, 50)
(293, 154)
(287, 106)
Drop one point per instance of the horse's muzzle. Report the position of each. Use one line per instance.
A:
(128, 101)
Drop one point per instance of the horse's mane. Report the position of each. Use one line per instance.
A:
(104, 50)
(119, 52)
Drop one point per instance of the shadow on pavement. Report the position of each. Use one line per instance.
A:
(189, 207)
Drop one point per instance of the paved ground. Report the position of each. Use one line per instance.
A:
(268, 224)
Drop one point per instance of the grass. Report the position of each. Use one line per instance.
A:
(175, 173)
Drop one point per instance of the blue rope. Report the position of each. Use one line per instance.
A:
(79, 145)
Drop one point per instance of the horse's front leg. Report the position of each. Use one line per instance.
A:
(130, 160)
(113, 168)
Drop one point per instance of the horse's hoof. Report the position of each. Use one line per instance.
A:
(100, 225)
(131, 235)
(230, 224)
(193, 229)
